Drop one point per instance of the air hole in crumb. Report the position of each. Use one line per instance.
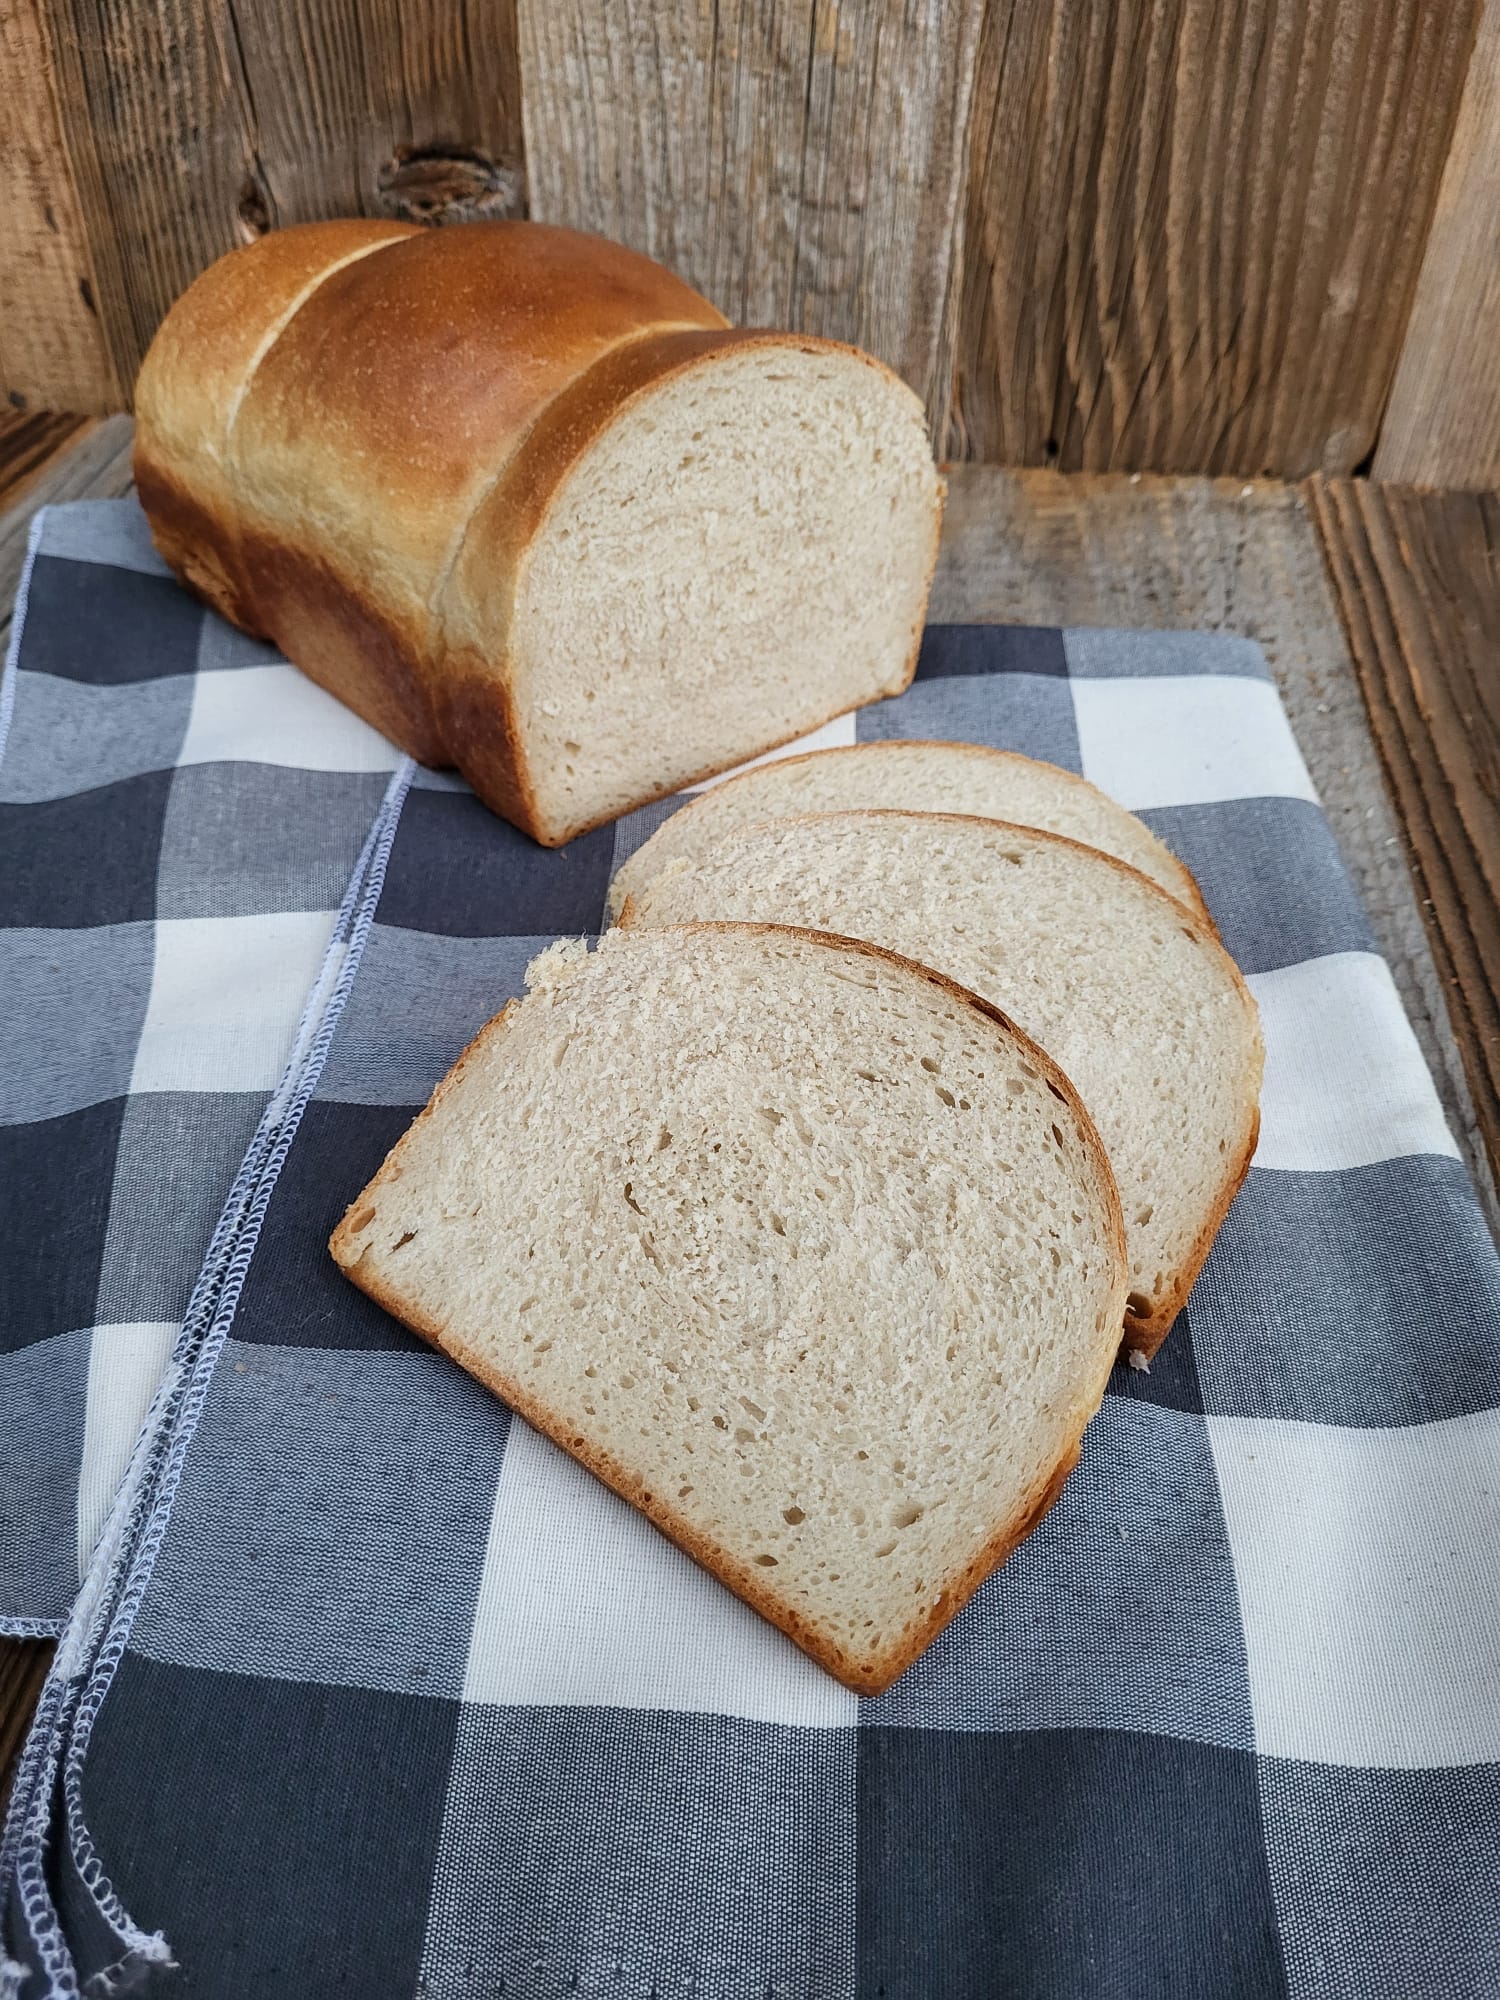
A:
(929, 1065)
(888, 1549)
(694, 1404)
(1060, 1095)
(778, 1223)
(1139, 1304)
(1145, 1215)
(720, 1424)
(793, 1516)
(363, 1220)
(630, 1201)
(1057, 1135)
(754, 1408)
(766, 1562)
(402, 1241)
(627, 1381)
(907, 1516)
(947, 1097)
(683, 1492)
(861, 1454)
(742, 1436)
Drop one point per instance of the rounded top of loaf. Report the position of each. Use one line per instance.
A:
(399, 390)
(210, 342)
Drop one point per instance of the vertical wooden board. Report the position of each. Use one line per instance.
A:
(155, 119)
(1442, 426)
(802, 163)
(1194, 227)
(1418, 581)
(375, 107)
(52, 349)
(194, 128)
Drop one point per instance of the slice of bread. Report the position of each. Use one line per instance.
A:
(914, 776)
(1134, 998)
(804, 1250)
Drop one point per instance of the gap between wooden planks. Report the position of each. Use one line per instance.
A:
(1349, 587)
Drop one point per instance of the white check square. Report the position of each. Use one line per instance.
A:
(1345, 1081)
(1187, 740)
(271, 714)
(1369, 1591)
(226, 996)
(125, 1365)
(584, 1604)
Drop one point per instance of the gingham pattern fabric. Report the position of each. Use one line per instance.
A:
(369, 1689)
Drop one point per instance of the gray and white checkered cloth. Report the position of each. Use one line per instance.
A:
(364, 1687)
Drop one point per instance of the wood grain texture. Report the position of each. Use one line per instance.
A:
(1418, 582)
(800, 163)
(52, 347)
(1194, 228)
(29, 441)
(1114, 549)
(192, 128)
(1442, 425)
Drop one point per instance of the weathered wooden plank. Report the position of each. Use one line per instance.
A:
(29, 440)
(1418, 580)
(802, 164)
(1442, 426)
(374, 107)
(52, 349)
(196, 127)
(1039, 548)
(1194, 228)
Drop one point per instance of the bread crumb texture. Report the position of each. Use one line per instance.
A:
(796, 1245)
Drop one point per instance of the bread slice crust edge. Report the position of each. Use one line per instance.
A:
(871, 1675)
(1143, 1332)
(1191, 896)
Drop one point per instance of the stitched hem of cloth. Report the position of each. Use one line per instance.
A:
(94, 1638)
(31, 1628)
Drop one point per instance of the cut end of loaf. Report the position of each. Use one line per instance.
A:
(743, 554)
(806, 1252)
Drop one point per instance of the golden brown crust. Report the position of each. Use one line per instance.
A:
(869, 1675)
(348, 454)
(192, 381)
(1191, 896)
(1144, 1332)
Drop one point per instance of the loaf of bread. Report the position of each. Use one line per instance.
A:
(1134, 997)
(917, 776)
(527, 503)
(804, 1250)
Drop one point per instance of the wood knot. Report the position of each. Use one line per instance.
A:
(252, 214)
(437, 184)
